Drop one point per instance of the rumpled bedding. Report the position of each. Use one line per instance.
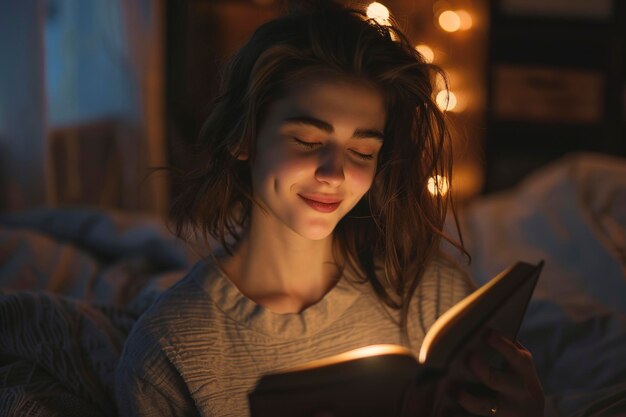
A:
(73, 282)
(58, 355)
(572, 214)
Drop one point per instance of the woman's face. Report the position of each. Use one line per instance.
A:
(316, 155)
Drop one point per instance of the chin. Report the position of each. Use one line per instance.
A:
(316, 231)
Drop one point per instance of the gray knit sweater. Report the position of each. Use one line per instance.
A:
(201, 347)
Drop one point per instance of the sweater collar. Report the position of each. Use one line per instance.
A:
(227, 297)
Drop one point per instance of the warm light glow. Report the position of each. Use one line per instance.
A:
(426, 52)
(466, 19)
(379, 13)
(450, 21)
(462, 98)
(468, 178)
(446, 100)
(440, 81)
(438, 185)
(359, 353)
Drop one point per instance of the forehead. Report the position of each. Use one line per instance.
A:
(338, 100)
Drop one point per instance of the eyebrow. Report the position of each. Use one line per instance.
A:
(327, 127)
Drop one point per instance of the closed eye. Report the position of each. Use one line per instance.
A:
(364, 156)
(313, 145)
(308, 145)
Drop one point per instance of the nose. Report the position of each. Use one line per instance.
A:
(330, 168)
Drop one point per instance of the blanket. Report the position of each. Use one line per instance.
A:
(73, 282)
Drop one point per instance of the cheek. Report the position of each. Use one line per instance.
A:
(277, 169)
(361, 178)
(294, 167)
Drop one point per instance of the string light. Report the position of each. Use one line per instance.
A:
(466, 19)
(438, 185)
(426, 51)
(379, 13)
(446, 100)
(450, 21)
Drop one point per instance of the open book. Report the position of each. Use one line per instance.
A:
(373, 380)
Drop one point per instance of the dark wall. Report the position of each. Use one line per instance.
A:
(556, 84)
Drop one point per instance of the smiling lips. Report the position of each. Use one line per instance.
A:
(322, 204)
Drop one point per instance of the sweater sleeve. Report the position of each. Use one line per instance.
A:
(148, 385)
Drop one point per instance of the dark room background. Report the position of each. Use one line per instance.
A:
(95, 93)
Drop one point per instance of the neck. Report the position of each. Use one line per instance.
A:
(283, 272)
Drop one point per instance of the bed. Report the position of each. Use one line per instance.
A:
(74, 280)
(572, 215)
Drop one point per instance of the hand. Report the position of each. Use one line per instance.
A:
(515, 391)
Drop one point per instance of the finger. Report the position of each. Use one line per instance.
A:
(518, 357)
(480, 406)
(500, 381)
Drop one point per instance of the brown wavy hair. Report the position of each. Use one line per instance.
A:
(398, 223)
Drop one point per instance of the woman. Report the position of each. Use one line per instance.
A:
(318, 153)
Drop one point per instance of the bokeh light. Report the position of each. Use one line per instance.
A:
(379, 13)
(446, 100)
(438, 185)
(466, 19)
(450, 21)
(426, 51)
